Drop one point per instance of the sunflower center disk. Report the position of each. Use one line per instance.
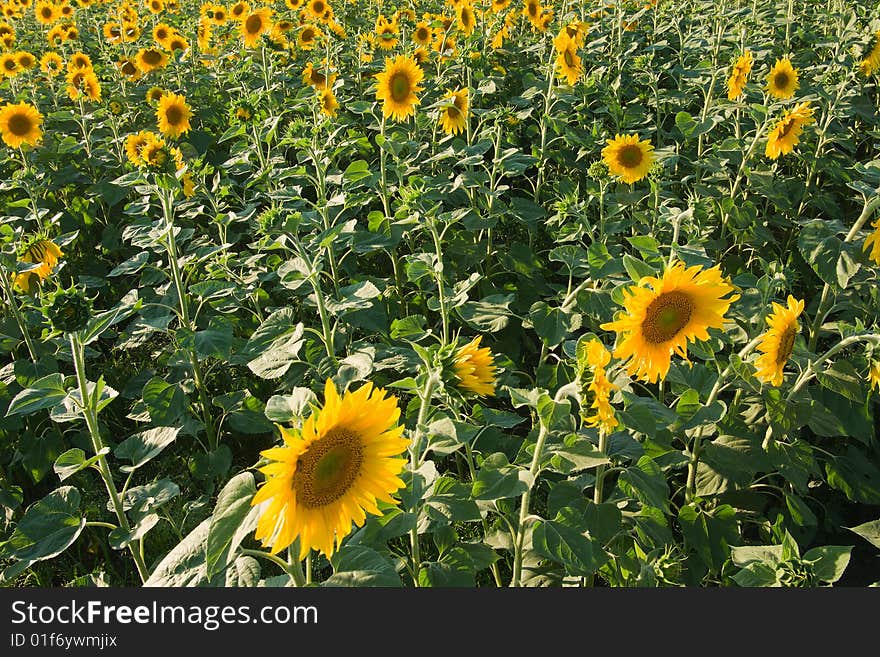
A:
(666, 316)
(173, 115)
(630, 156)
(253, 24)
(400, 87)
(152, 57)
(781, 80)
(20, 125)
(569, 59)
(786, 345)
(327, 470)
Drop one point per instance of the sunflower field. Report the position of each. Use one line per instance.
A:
(431, 293)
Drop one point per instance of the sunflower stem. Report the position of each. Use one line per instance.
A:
(291, 569)
(88, 405)
(469, 458)
(516, 577)
(438, 275)
(415, 463)
(599, 487)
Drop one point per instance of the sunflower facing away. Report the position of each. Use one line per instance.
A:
(785, 135)
(739, 75)
(475, 368)
(782, 81)
(662, 314)
(453, 116)
(20, 124)
(42, 251)
(331, 472)
(396, 87)
(173, 115)
(628, 157)
(777, 343)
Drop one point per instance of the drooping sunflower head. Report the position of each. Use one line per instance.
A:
(628, 157)
(154, 95)
(316, 76)
(41, 251)
(332, 472)
(20, 124)
(782, 80)
(397, 85)
(777, 343)
(467, 18)
(83, 83)
(239, 10)
(662, 314)
(474, 368)
(134, 143)
(155, 154)
(454, 113)
(173, 115)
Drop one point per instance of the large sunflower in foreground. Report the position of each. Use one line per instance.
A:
(777, 342)
(332, 472)
(475, 368)
(173, 115)
(785, 135)
(453, 116)
(20, 124)
(396, 87)
(662, 314)
(628, 157)
(782, 81)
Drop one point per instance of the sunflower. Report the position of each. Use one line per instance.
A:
(154, 153)
(327, 101)
(777, 342)
(396, 87)
(255, 25)
(177, 42)
(150, 59)
(782, 81)
(787, 131)
(112, 32)
(307, 37)
(568, 63)
(497, 6)
(9, 65)
(46, 12)
(154, 94)
(155, 6)
(20, 124)
(83, 83)
(386, 33)
(332, 472)
(128, 68)
(874, 374)
(871, 63)
(679, 307)
(421, 55)
(453, 115)
(51, 63)
(317, 8)
(173, 115)
(26, 60)
(42, 251)
(294, 5)
(739, 75)
(133, 145)
(422, 34)
(475, 369)
(872, 242)
(316, 77)
(467, 19)
(628, 157)
(79, 61)
(239, 10)
(532, 10)
(131, 32)
(162, 32)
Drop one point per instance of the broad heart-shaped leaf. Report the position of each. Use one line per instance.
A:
(74, 460)
(709, 533)
(184, 565)
(757, 574)
(552, 324)
(119, 538)
(645, 482)
(144, 446)
(828, 562)
(277, 358)
(358, 565)
(449, 501)
(566, 546)
(870, 531)
(832, 259)
(233, 505)
(843, 379)
(498, 479)
(42, 393)
(578, 454)
(48, 527)
(127, 306)
(855, 475)
(284, 408)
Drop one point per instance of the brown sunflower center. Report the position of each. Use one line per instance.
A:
(174, 115)
(307, 35)
(46, 12)
(630, 156)
(400, 87)
(253, 24)
(781, 80)
(161, 34)
(786, 344)
(318, 7)
(422, 34)
(787, 127)
(532, 8)
(568, 55)
(10, 65)
(152, 57)
(20, 124)
(328, 468)
(666, 316)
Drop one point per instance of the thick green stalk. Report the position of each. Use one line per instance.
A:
(516, 578)
(91, 416)
(438, 276)
(415, 464)
(16, 312)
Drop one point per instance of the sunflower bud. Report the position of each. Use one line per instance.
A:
(68, 310)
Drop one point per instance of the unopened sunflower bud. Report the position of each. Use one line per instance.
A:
(68, 310)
